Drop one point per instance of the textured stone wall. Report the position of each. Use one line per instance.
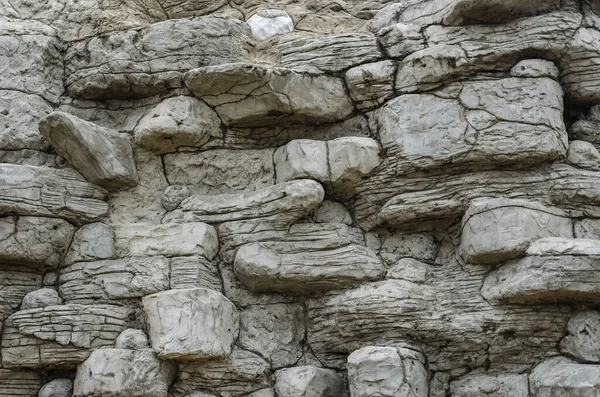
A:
(299, 198)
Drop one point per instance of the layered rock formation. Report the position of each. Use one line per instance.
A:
(299, 199)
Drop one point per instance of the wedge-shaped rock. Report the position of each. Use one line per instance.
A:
(580, 76)
(332, 53)
(152, 59)
(178, 122)
(109, 281)
(265, 267)
(491, 122)
(170, 239)
(40, 191)
(387, 372)
(239, 374)
(122, 372)
(490, 385)
(496, 230)
(561, 376)
(308, 381)
(287, 201)
(371, 84)
(34, 241)
(583, 337)
(17, 383)
(247, 95)
(190, 324)
(19, 116)
(91, 242)
(103, 156)
(60, 336)
(194, 272)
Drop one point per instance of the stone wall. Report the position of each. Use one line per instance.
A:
(299, 198)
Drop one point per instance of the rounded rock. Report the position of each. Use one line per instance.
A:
(132, 339)
(57, 388)
(41, 298)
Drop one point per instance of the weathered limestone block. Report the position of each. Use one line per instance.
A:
(401, 40)
(94, 241)
(247, 95)
(123, 373)
(308, 381)
(552, 246)
(103, 156)
(221, 170)
(147, 61)
(178, 122)
(496, 230)
(302, 158)
(109, 281)
(561, 376)
(19, 116)
(331, 53)
(387, 372)
(371, 84)
(398, 245)
(264, 267)
(19, 383)
(583, 154)
(41, 298)
(275, 331)
(33, 240)
(492, 122)
(239, 374)
(268, 23)
(583, 337)
(61, 387)
(16, 281)
(333, 212)
(194, 272)
(132, 339)
(41, 191)
(579, 74)
(169, 239)
(409, 269)
(31, 60)
(490, 385)
(190, 324)
(586, 130)
(535, 68)
(587, 228)
(59, 336)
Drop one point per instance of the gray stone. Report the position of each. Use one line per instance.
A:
(61, 387)
(132, 339)
(302, 158)
(586, 130)
(582, 340)
(553, 246)
(103, 156)
(178, 122)
(561, 376)
(268, 23)
(91, 242)
(191, 324)
(409, 269)
(308, 381)
(401, 40)
(578, 75)
(583, 154)
(41, 298)
(19, 116)
(333, 212)
(397, 246)
(194, 272)
(491, 385)
(535, 68)
(371, 84)
(19, 383)
(587, 228)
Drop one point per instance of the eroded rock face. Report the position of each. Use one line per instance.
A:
(581, 341)
(562, 376)
(308, 381)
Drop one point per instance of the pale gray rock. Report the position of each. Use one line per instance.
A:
(594, 113)
(350, 160)
(247, 95)
(16, 282)
(583, 154)
(371, 84)
(121, 372)
(578, 75)
(19, 383)
(409, 269)
(61, 387)
(103, 156)
(91, 242)
(586, 130)
(308, 381)
(169, 239)
(178, 122)
(397, 246)
(264, 267)
(194, 272)
(41, 298)
(535, 68)
(109, 281)
(19, 116)
(496, 230)
(387, 372)
(132, 339)
(34, 241)
(302, 158)
(552, 246)
(561, 376)
(241, 373)
(191, 324)
(47, 192)
(331, 53)
(173, 196)
(275, 331)
(401, 40)
(490, 385)
(152, 59)
(582, 340)
(587, 228)
(32, 339)
(270, 22)
(333, 212)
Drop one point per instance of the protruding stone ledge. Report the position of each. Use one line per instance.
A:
(268, 267)
(103, 156)
(308, 381)
(496, 230)
(191, 324)
(59, 336)
(491, 385)
(40, 191)
(561, 376)
(248, 95)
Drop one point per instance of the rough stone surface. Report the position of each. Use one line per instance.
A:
(561, 376)
(19, 383)
(176, 317)
(371, 84)
(41, 298)
(491, 385)
(132, 339)
(57, 388)
(308, 381)
(581, 341)
(19, 116)
(268, 23)
(91, 242)
(583, 154)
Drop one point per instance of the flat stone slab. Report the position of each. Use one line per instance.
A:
(19, 382)
(561, 376)
(491, 385)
